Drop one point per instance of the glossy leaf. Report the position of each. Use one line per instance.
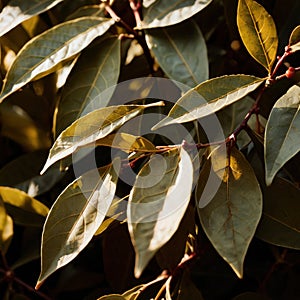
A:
(294, 41)
(43, 53)
(258, 32)
(6, 228)
(92, 127)
(280, 224)
(112, 297)
(91, 82)
(74, 218)
(17, 11)
(161, 13)
(231, 218)
(88, 10)
(206, 99)
(157, 203)
(183, 57)
(282, 132)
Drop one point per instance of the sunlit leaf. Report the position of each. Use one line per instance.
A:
(183, 57)
(206, 99)
(75, 217)
(90, 84)
(258, 32)
(164, 13)
(157, 203)
(45, 52)
(6, 228)
(112, 297)
(282, 135)
(92, 127)
(88, 10)
(231, 218)
(280, 223)
(294, 41)
(18, 11)
(24, 209)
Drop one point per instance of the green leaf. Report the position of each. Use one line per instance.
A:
(280, 224)
(17, 11)
(112, 297)
(74, 218)
(183, 57)
(24, 209)
(42, 54)
(258, 32)
(231, 217)
(92, 127)
(164, 13)
(294, 41)
(133, 293)
(157, 203)
(91, 82)
(88, 10)
(209, 97)
(282, 135)
(6, 228)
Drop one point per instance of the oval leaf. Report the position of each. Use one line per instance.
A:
(183, 57)
(91, 82)
(231, 217)
(92, 127)
(17, 11)
(164, 13)
(258, 32)
(282, 135)
(280, 223)
(74, 218)
(43, 53)
(206, 99)
(157, 203)
(294, 42)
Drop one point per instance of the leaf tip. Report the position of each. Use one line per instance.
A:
(38, 284)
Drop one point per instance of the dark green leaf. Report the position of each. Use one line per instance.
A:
(91, 82)
(182, 56)
(258, 32)
(282, 135)
(88, 10)
(209, 97)
(164, 13)
(17, 11)
(157, 203)
(74, 218)
(231, 217)
(42, 54)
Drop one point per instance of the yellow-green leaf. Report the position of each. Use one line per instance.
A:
(209, 97)
(231, 217)
(294, 41)
(92, 127)
(282, 134)
(17, 11)
(183, 57)
(6, 228)
(42, 54)
(162, 13)
(258, 32)
(75, 217)
(157, 203)
(91, 82)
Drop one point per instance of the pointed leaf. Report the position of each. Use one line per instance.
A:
(209, 97)
(17, 11)
(92, 127)
(231, 218)
(280, 223)
(282, 135)
(294, 42)
(157, 203)
(74, 218)
(91, 82)
(43, 53)
(258, 32)
(24, 209)
(183, 57)
(164, 13)
(6, 228)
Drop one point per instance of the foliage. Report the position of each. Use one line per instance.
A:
(149, 149)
